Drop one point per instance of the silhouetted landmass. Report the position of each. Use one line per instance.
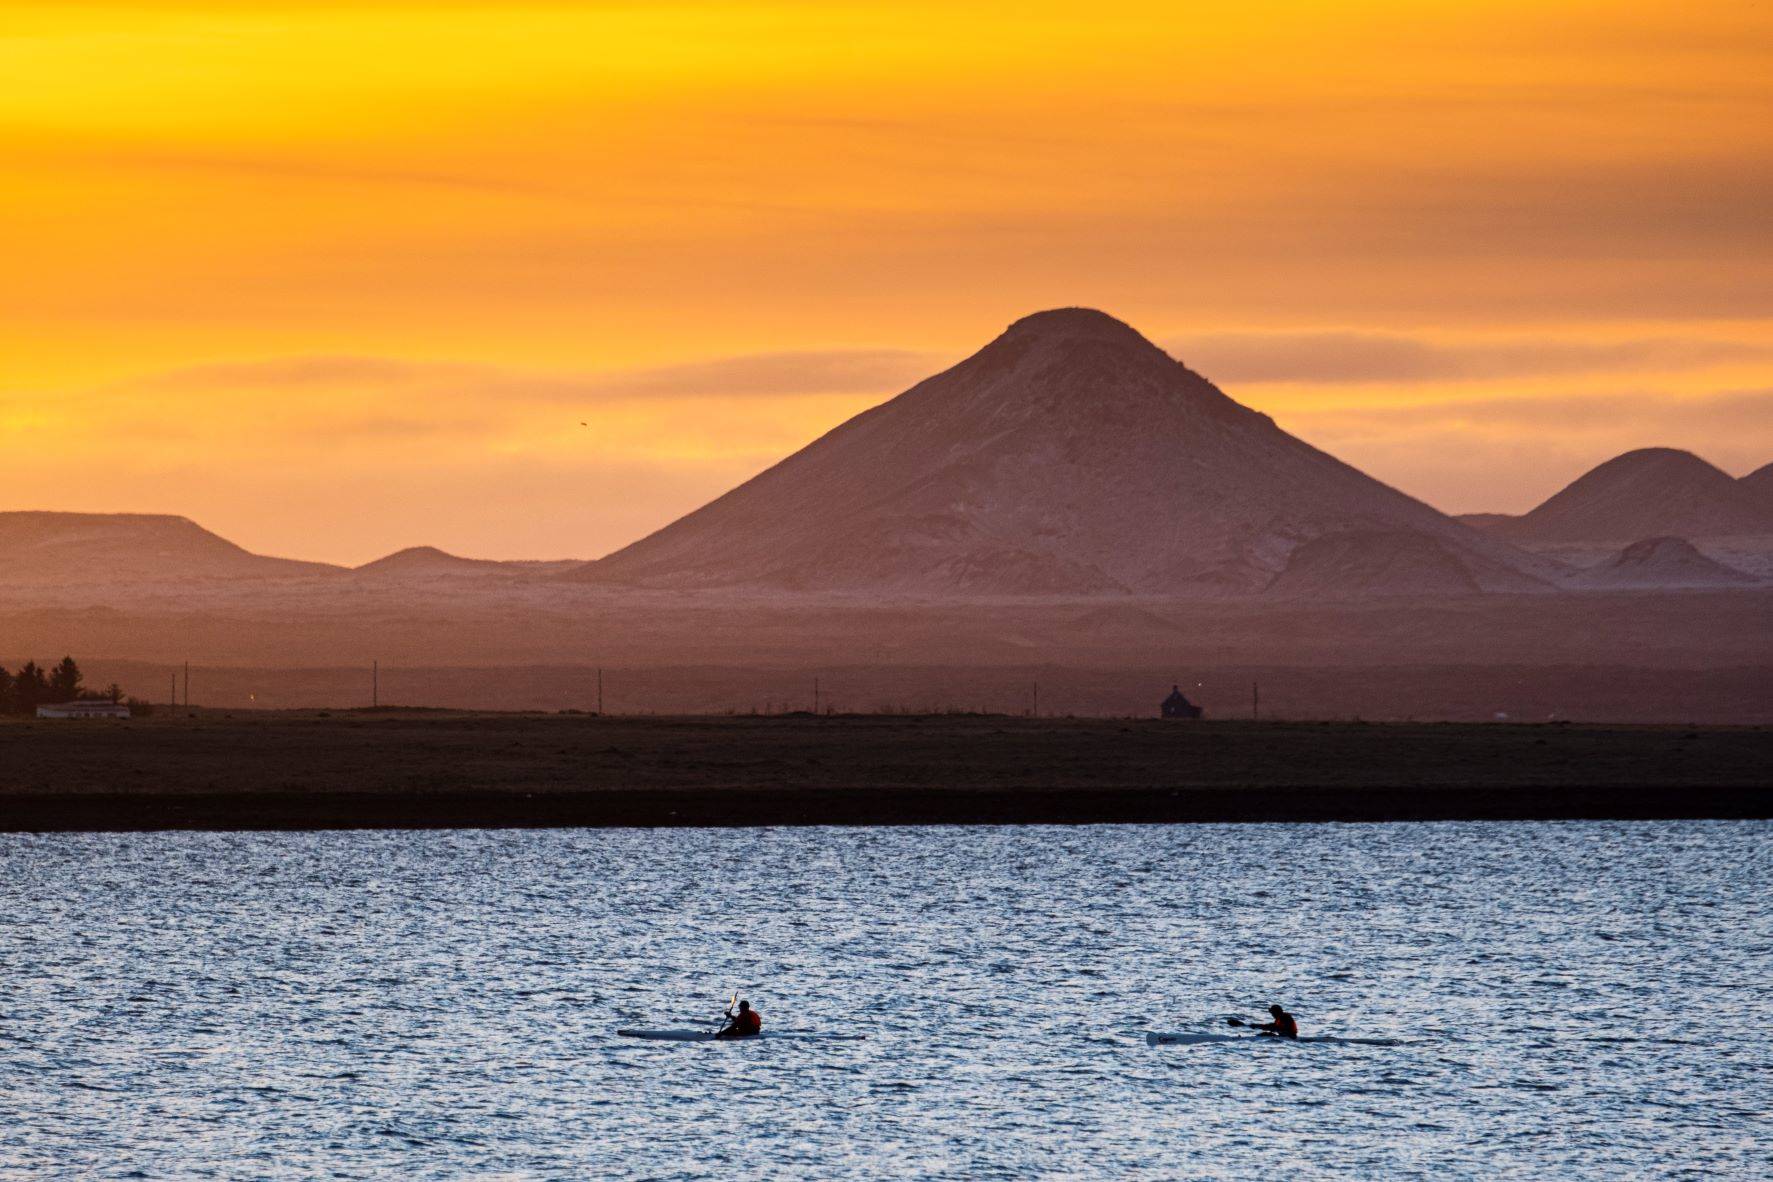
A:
(407, 769)
(1725, 693)
(1070, 504)
(1070, 456)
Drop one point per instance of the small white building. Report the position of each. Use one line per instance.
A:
(93, 708)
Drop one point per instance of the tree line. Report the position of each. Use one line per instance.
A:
(33, 686)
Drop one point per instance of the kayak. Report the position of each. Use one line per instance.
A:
(708, 1035)
(1170, 1040)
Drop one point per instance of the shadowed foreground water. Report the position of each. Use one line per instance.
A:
(1581, 1000)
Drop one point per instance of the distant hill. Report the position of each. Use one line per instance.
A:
(1661, 563)
(1485, 521)
(1070, 456)
(419, 562)
(1653, 492)
(1364, 564)
(44, 548)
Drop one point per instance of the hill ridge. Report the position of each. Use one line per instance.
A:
(48, 545)
(1643, 493)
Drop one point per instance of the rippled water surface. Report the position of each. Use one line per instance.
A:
(1578, 1001)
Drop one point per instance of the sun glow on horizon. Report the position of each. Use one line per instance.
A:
(335, 278)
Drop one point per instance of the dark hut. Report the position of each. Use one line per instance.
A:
(1178, 706)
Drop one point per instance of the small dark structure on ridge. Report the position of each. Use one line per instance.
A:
(1177, 706)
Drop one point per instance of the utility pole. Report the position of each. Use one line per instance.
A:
(375, 684)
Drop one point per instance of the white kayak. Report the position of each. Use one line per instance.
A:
(1185, 1039)
(708, 1035)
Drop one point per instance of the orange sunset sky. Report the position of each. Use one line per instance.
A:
(335, 278)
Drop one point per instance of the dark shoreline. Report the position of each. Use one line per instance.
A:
(138, 812)
(398, 769)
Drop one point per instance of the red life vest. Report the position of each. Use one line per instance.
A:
(747, 1022)
(1286, 1027)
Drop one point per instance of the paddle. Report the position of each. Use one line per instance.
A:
(1259, 1026)
(728, 1013)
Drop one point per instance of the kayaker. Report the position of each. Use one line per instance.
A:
(1283, 1025)
(744, 1024)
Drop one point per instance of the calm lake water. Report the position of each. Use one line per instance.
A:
(1579, 1000)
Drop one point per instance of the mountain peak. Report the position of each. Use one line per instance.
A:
(1646, 458)
(1074, 322)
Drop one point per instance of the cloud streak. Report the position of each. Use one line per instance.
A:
(1644, 413)
(1331, 358)
(810, 372)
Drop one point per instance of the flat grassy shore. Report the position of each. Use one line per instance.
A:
(419, 769)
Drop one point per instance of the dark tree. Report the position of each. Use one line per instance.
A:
(30, 689)
(113, 693)
(64, 683)
(5, 691)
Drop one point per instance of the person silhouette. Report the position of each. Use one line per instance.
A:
(747, 1023)
(1283, 1025)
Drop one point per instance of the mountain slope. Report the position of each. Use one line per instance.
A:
(46, 548)
(1653, 492)
(1759, 485)
(1070, 456)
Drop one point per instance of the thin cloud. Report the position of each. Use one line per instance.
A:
(1636, 419)
(828, 371)
(292, 373)
(1341, 357)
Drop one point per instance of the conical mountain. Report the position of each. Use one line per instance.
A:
(1069, 456)
(1652, 492)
